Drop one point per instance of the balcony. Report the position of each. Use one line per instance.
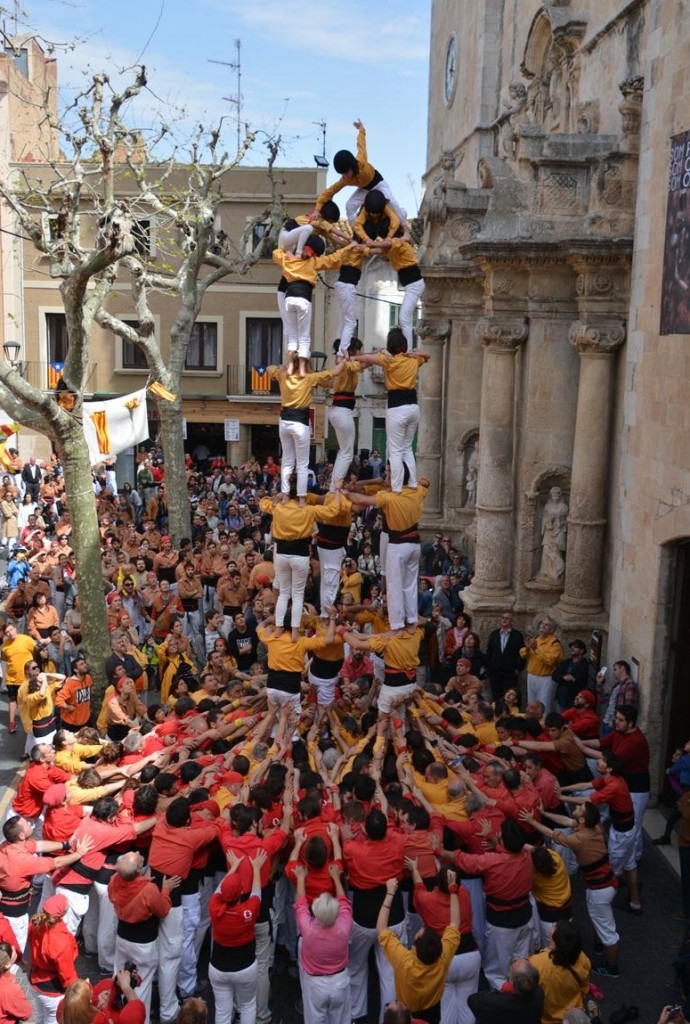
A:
(46, 376)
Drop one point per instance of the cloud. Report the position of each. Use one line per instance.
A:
(355, 31)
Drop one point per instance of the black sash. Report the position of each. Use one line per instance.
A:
(402, 396)
(291, 415)
(293, 547)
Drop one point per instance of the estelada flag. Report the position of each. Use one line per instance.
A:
(159, 391)
(113, 426)
(54, 374)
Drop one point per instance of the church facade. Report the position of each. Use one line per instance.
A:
(555, 413)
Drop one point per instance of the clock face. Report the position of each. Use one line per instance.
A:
(450, 70)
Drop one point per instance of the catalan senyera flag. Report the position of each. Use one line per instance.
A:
(7, 429)
(159, 391)
(261, 381)
(113, 426)
(54, 374)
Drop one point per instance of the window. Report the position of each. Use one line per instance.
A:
(133, 357)
(394, 315)
(202, 353)
(141, 233)
(20, 59)
(264, 348)
(56, 333)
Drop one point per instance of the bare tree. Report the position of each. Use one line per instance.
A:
(200, 254)
(50, 215)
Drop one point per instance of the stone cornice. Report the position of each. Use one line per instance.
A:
(503, 333)
(434, 331)
(589, 337)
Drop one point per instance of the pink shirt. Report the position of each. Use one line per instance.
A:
(324, 950)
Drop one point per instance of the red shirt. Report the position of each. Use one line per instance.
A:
(545, 785)
(18, 864)
(371, 862)
(469, 832)
(584, 722)
(434, 908)
(233, 924)
(39, 777)
(103, 834)
(525, 798)
(246, 847)
(54, 955)
(137, 899)
(173, 849)
(60, 823)
(14, 1005)
(633, 750)
(507, 876)
(318, 880)
(613, 790)
(7, 935)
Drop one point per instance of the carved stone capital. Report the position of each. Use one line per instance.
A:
(630, 106)
(433, 332)
(601, 338)
(507, 334)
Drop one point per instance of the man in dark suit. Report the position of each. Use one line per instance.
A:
(31, 475)
(503, 661)
(521, 1001)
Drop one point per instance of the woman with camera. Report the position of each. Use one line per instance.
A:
(112, 1001)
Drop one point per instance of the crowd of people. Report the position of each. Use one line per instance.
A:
(303, 747)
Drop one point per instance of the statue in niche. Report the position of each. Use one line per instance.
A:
(471, 474)
(554, 528)
(515, 112)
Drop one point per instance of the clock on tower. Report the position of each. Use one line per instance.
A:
(450, 71)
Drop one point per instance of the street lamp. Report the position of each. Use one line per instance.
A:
(11, 350)
(318, 358)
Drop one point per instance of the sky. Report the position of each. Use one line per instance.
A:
(302, 62)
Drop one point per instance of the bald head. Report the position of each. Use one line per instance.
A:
(524, 976)
(129, 865)
(456, 787)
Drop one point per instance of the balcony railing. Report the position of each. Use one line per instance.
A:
(251, 382)
(46, 376)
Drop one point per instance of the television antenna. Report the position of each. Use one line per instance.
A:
(320, 158)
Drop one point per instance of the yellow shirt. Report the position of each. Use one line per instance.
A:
(286, 655)
(417, 985)
(553, 890)
(401, 254)
(486, 733)
(305, 268)
(548, 654)
(365, 173)
(398, 652)
(352, 584)
(561, 990)
(15, 653)
(70, 759)
(293, 521)
(363, 216)
(400, 371)
(402, 510)
(296, 391)
(344, 516)
(347, 379)
(102, 720)
(77, 795)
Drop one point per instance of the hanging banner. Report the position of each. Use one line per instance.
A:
(675, 282)
(113, 426)
(232, 430)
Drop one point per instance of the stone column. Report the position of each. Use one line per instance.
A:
(491, 586)
(596, 343)
(433, 336)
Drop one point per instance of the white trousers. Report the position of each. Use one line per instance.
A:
(326, 999)
(20, 927)
(541, 688)
(475, 887)
(462, 981)
(298, 320)
(294, 437)
(330, 561)
(186, 979)
(343, 421)
(234, 990)
(265, 949)
(46, 1006)
(388, 694)
(640, 801)
(383, 551)
(325, 689)
(356, 201)
(402, 573)
(89, 924)
(411, 297)
(291, 578)
(347, 298)
(622, 851)
(601, 914)
(169, 956)
(206, 890)
(361, 941)
(277, 699)
(145, 956)
(107, 927)
(401, 424)
(294, 239)
(501, 946)
(77, 905)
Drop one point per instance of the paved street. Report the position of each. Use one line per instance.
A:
(648, 944)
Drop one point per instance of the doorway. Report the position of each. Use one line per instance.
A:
(678, 704)
(209, 437)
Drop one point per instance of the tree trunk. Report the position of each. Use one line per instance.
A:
(86, 542)
(179, 521)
